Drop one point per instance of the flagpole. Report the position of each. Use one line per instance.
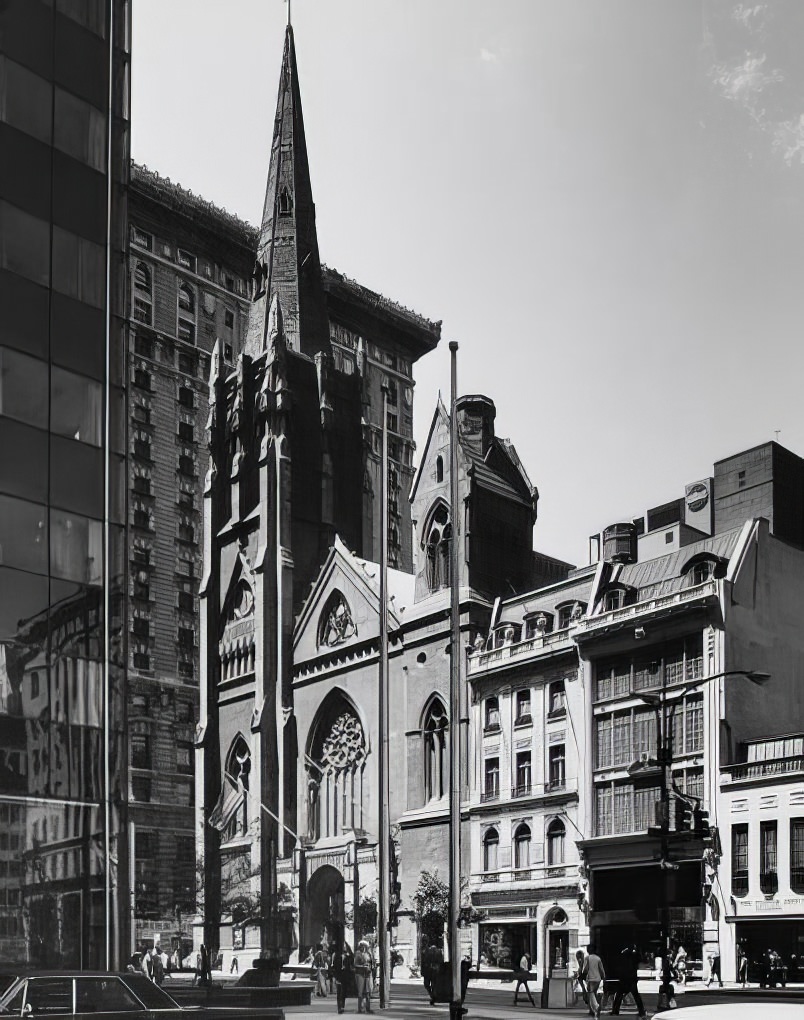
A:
(455, 1008)
(383, 911)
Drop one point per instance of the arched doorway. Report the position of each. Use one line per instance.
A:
(556, 941)
(324, 909)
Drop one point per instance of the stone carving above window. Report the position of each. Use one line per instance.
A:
(337, 624)
(243, 601)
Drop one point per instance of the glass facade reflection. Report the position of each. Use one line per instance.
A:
(64, 859)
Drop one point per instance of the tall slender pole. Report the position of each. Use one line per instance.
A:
(455, 1008)
(383, 911)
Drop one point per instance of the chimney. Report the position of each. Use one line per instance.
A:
(476, 415)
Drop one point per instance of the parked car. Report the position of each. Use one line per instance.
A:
(104, 996)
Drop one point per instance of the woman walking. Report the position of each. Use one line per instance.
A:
(320, 971)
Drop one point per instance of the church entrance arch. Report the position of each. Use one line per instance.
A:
(324, 910)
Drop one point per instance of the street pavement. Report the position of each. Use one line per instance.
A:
(490, 1003)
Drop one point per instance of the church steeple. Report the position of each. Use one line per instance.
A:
(288, 263)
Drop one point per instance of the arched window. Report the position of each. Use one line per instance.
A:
(284, 202)
(491, 841)
(335, 767)
(555, 842)
(522, 848)
(230, 814)
(558, 699)
(439, 469)
(434, 734)
(439, 536)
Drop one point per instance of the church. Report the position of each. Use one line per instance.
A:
(287, 742)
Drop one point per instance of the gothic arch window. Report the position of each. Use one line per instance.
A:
(336, 624)
(284, 201)
(556, 834)
(434, 734)
(491, 842)
(230, 814)
(522, 848)
(438, 537)
(335, 770)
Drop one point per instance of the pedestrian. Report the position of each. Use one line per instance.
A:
(742, 965)
(234, 966)
(147, 965)
(522, 978)
(680, 965)
(204, 967)
(342, 970)
(320, 969)
(594, 974)
(158, 969)
(165, 961)
(714, 966)
(363, 977)
(580, 983)
(629, 975)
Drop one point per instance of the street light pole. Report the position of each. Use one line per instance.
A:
(455, 1007)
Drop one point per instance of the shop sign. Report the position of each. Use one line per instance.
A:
(786, 905)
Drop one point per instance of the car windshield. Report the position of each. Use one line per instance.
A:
(148, 993)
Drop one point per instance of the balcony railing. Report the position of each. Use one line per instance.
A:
(649, 601)
(519, 791)
(515, 651)
(760, 769)
(540, 874)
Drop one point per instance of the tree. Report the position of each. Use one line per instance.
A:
(431, 905)
(367, 916)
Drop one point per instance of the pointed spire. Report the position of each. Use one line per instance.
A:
(288, 263)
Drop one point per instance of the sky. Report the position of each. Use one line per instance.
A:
(601, 200)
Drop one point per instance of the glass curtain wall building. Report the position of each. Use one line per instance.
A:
(64, 135)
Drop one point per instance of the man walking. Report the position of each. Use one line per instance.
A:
(629, 975)
(522, 978)
(714, 966)
(594, 974)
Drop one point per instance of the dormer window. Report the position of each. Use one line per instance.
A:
(506, 634)
(617, 597)
(703, 567)
(568, 612)
(538, 624)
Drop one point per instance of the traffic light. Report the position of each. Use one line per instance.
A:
(687, 818)
(701, 821)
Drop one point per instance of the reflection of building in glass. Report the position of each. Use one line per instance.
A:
(62, 478)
